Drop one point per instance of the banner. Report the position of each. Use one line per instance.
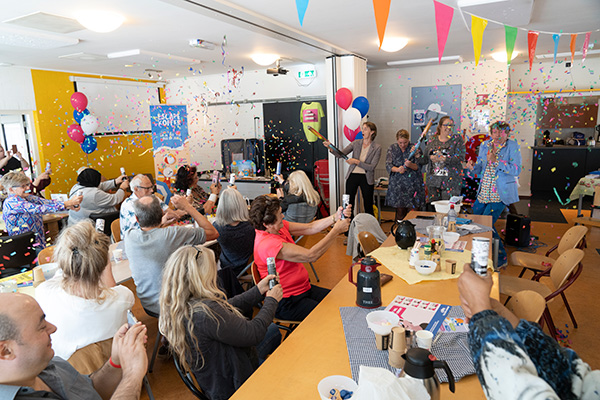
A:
(443, 20)
(301, 6)
(556, 38)
(169, 133)
(586, 44)
(477, 27)
(382, 11)
(510, 34)
(532, 37)
(572, 46)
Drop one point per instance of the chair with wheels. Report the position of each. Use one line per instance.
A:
(189, 380)
(18, 254)
(45, 255)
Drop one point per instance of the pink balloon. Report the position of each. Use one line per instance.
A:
(350, 134)
(343, 98)
(76, 133)
(79, 101)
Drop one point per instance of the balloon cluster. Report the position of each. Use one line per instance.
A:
(86, 124)
(354, 112)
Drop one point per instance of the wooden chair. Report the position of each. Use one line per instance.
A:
(45, 255)
(528, 305)
(189, 380)
(115, 229)
(108, 218)
(18, 253)
(368, 242)
(562, 275)
(287, 325)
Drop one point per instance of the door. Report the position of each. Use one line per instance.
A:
(14, 131)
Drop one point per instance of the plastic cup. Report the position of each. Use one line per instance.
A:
(118, 255)
(424, 339)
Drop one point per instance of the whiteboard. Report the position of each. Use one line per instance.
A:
(120, 107)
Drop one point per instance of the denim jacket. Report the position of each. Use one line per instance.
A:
(507, 171)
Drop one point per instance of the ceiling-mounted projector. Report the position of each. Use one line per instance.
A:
(277, 70)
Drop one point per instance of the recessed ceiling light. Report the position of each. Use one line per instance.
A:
(393, 44)
(456, 59)
(500, 56)
(264, 59)
(5, 64)
(100, 21)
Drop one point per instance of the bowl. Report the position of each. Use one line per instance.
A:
(338, 382)
(443, 206)
(381, 322)
(450, 238)
(425, 267)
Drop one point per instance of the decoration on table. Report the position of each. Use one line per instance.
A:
(75, 132)
(532, 37)
(477, 27)
(89, 124)
(381, 9)
(79, 101)
(586, 43)
(89, 144)
(361, 104)
(301, 6)
(556, 39)
(343, 98)
(443, 20)
(510, 34)
(572, 46)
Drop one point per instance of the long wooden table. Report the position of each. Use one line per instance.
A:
(317, 348)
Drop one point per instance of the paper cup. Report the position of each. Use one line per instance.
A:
(424, 339)
(118, 255)
(38, 276)
(382, 341)
(450, 266)
(395, 359)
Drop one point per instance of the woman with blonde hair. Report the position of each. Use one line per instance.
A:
(82, 299)
(298, 190)
(206, 331)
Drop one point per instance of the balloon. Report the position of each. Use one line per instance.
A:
(74, 131)
(343, 98)
(77, 115)
(79, 101)
(89, 124)
(361, 104)
(89, 144)
(359, 135)
(351, 118)
(350, 134)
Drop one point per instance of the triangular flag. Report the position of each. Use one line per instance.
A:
(301, 6)
(382, 11)
(556, 38)
(572, 46)
(477, 27)
(443, 19)
(532, 37)
(586, 43)
(510, 34)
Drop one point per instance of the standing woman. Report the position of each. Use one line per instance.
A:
(444, 155)
(365, 157)
(405, 190)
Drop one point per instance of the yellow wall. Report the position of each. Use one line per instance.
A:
(54, 114)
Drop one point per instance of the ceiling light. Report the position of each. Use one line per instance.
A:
(100, 21)
(393, 44)
(470, 3)
(425, 60)
(202, 44)
(500, 56)
(264, 59)
(561, 55)
(6, 64)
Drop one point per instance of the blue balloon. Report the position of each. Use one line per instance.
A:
(361, 104)
(358, 135)
(89, 144)
(77, 115)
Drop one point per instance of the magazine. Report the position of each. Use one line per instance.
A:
(415, 313)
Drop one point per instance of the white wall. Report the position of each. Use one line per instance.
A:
(16, 89)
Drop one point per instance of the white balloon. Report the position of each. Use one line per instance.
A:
(351, 118)
(89, 124)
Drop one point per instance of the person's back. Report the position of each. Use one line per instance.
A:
(237, 244)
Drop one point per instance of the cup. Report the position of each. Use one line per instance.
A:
(9, 286)
(118, 254)
(382, 341)
(38, 276)
(451, 267)
(424, 339)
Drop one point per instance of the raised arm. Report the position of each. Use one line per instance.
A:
(182, 204)
(293, 252)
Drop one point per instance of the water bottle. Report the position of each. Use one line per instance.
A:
(452, 215)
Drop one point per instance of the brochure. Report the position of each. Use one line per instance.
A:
(415, 314)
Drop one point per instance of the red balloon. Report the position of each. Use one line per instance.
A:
(343, 98)
(76, 133)
(350, 134)
(79, 101)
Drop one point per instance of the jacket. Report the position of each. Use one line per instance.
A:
(370, 162)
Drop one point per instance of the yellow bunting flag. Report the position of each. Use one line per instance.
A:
(382, 11)
(477, 27)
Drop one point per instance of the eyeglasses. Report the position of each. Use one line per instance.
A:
(198, 251)
(145, 188)
(448, 125)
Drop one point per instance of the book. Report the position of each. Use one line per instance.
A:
(459, 245)
(416, 313)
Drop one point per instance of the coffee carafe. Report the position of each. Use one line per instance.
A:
(404, 233)
(420, 364)
(368, 283)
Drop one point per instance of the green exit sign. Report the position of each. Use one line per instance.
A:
(307, 73)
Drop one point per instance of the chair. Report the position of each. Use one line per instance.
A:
(45, 256)
(115, 228)
(108, 219)
(562, 275)
(18, 253)
(368, 242)
(189, 380)
(301, 241)
(287, 325)
(528, 305)
(573, 238)
(156, 343)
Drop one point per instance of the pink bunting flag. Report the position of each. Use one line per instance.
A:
(443, 20)
(586, 44)
(532, 37)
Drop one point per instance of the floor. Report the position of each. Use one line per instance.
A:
(333, 266)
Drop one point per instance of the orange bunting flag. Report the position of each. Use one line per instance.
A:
(382, 11)
(532, 37)
(586, 44)
(477, 27)
(443, 19)
(572, 47)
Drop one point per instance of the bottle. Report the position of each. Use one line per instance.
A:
(345, 203)
(452, 215)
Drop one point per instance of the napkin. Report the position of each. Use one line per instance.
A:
(380, 384)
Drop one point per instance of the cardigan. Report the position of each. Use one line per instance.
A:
(371, 161)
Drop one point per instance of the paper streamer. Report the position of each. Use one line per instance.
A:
(477, 27)
(301, 6)
(443, 20)
(586, 44)
(382, 11)
(572, 46)
(510, 34)
(532, 37)
(556, 38)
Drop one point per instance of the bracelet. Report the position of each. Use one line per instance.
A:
(212, 197)
(112, 364)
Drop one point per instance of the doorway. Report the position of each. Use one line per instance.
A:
(14, 131)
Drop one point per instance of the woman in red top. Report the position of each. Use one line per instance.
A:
(274, 239)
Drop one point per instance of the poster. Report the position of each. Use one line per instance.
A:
(169, 134)
(418, 117)
(434, 102)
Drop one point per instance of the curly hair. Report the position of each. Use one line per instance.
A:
(263, 211)
(184, 177)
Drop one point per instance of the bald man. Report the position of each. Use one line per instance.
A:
(29, 370)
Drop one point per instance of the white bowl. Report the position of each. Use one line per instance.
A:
(450, 238)
(381, 322)
(443, 206)
(425, 267)
(338, 382)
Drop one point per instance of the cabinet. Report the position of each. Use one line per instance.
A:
(561, 167)
(558, 114)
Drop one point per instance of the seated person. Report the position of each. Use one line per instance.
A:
(11, 162)
(274, 239)
(141, 186)
(82, 299)
(187, 178)
(297, 190)
(96, 200)
(149, 247)
(515, 359)
(236, 233)
(22, 212)
(207, 332)
(28, 368)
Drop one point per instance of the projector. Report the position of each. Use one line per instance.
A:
(277, 70)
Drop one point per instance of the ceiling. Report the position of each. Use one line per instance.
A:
(156, 33)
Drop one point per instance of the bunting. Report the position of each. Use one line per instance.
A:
(301, 6)
(586, 44)
(477, 27)
(510, 34)
(572, 46)
(532, 37)
(382, 11)
(443, 20)
(556, 38)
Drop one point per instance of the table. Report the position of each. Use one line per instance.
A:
(120, 269)
(51, 224)
(585, 187)
(317, 347)
(248, 187)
